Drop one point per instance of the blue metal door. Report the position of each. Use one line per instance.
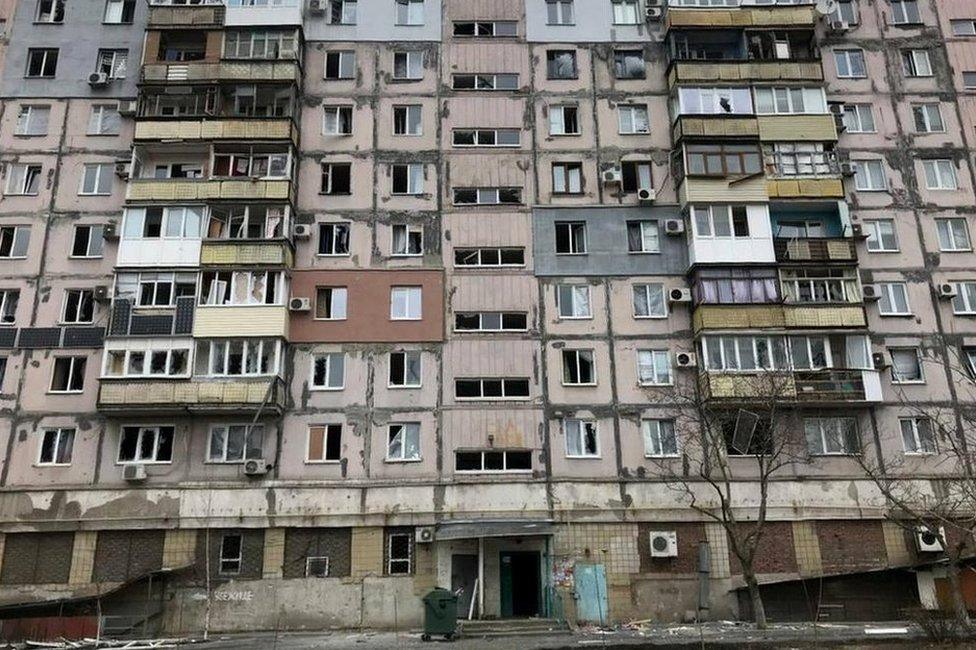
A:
(591, 593)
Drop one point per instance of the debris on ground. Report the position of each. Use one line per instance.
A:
(93, 644)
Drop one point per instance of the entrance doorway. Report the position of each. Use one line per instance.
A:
(464, 575)
(520, 583)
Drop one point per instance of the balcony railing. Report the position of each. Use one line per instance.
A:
(242, 320)
(242, 71)
(245, 252)
(193, 395)
(827, 386)
(151, 189)
(744, 71)
(169, 16)
(760, 316)
(128, 321)
(815, 249)
(793, 164)
(679, 16)
(210, 128)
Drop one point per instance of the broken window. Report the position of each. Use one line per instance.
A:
(68, 375)
(50, 11)
(340, 64)
(235, 442)
(403, 441)
(32, 120)
(407, 178)
(333, 239)
(399, 553)
(324, 443)
(328, 371)
(120, 11)
(42, 63)
(561, 64)
(405, 369)
(570, 237)
(628, 64)
(330, 303)
(146, 444)
(408, 240)
(336, 178)
(578, 368)
(582, 440)
(79, 306)
(231, 553)
(407, 120)
(56, 446)
(23, 179)
(337, 120)
(14, 241)
(8, 305)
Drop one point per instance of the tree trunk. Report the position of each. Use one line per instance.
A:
(958, 601)
(758, 610)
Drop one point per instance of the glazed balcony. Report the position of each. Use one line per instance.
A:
(830, 386)
(778, 316)
(248, 13)
(165, 15)
(678, 17)
(196, 396)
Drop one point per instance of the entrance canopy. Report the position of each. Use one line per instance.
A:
(477, 529)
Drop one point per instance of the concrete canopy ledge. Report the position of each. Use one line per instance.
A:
(475, 529)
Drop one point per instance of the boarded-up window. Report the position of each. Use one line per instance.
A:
(304, 543)
(37, 558)
(123, 555)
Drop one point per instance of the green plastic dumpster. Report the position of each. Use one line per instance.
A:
(440, 614)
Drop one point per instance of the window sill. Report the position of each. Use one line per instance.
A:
(323, 462)
(588, 385)
(896, 315)
(633, 132)
(51, 465)
(326, 389)
(124, 463)
(594, 457)
(329, 320)
(403, 460)
(661, 317)
(908, 383)
(662, 456)
(655, 385)
(65, 392)
(888, 251)
(409, 320)
(558, 254)
(920, 453)
(333, 255)
(643, 252)
(404, 386)
(85, 257)
(575, 318)
(566, 135)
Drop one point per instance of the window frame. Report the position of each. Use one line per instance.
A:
(647, 289)
(576, 357)
(951, 234)
(917, 353)
(406, 427)
(646, 430)
(655, 355)
(874, 225)
(73, 371)
(345, 303)
(580, 432)
(850, 56)
(939, 166)
(887, 290)
(412, 291)
(573, 292)
(141, 431)
(404, 379)
(335, 238)
(60, 433)
(919, 449)
(328, 432)
(250, 431)
(328, 357)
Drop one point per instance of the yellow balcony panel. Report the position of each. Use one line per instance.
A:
(751, 189)
(829, 386)
(805, 188)
(797, 128)
(763, 386)
(715, 127)
(242, 252)
(188, 16)
(782, 16)
(815, 249)
(191, 395)
(217, 129)
(149, 189)
(739, 317)
(830, 316)
(241, 320)
(744, 71)
(244, 71)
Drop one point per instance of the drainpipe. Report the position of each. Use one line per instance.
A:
(481, 577)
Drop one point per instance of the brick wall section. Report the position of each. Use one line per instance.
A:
(37, 558)
(775, 553)
(179, 548)
(302, 543)
(589, 541)
(366, 557)
(898, 545)
(849, 546)
(274, 553)
(122, 555)
(425, 570)
(83, 557)
(689, 536)
(806, 545)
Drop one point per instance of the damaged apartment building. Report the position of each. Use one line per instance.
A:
(310, 306)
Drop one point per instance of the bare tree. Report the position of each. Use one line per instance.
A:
(737, 432)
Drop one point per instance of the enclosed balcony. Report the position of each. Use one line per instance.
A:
(223, 71)
(684, 14)
(248, 235)
(211, 113)
(802, 170)
(170, 15)
(222, 171)
(829, 387)
(195, 396)
(258, 13)
(813, 232)
(245, 302)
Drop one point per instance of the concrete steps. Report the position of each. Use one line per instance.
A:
(512, 627)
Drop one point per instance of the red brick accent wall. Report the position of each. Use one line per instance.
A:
(847, 546)
(776, 553)
(689, 536)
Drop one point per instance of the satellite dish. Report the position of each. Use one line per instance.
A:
(826, 7)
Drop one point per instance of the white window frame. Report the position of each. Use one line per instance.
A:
(917, 440)
(408, 109)
(565, 13)
(648, 289)
(576, 355)
(404, 380)
(651, 359)
(854, 118)
(329, 429)
(9, 299)
(631, 117)
(557, 120)
(626, 12)
(217, 348)
(83, 296)
(226, 562)
(73, 371)
(249, 431)
(873, 229)
(132, 368)
(900, 14)
(413, 301)
(916, 63)
(63, 436)
(481, 397)
(650, 237)
(964, 303)
(845, 60)
(578, 428)
(405, 231)
(830, 426)
(30, 117)
(947, 235)
(141, 432)
(413, 65)
(925, 110)
(29, 177)
(336, 111)
(328, 359)
(864, 182)
(408, 568)
(335, 238)
(412, 16)
(576, 312)
(347, 60)
(943, 172)
(917, 353)
(478, 133)
(415, 179)
(342, 291)
(101, 172)
(651, 430)
(888, 294)
(406, 428)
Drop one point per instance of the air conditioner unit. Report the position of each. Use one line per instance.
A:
(424, 534)
(302, 231)
(674, 227)
(653, 14)
(134, 473)
(857, 231)
(255, 467)
(870, 292)
(664, 543)
(839, 25)
(127, 107)
(646, 195)
(613, 174)
(948, 290)
(122, 168)
(97, 79)
(679, 295)
(299, 304)
(878, 360)
(847, 169)
(929, 540)
(685, 360)
(101, 293)
(110, 230)
(317, 7)
(837, 108)
(839, 123)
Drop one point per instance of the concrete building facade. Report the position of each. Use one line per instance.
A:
(308, 308)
